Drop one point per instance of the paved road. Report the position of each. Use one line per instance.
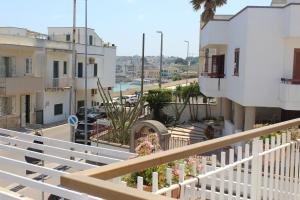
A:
(61, 132)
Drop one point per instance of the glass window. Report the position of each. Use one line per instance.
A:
(65, 67)
(90, 40)
(58, 109)
(236, 62)
(95, 70)
(28, 68)
(68, 37)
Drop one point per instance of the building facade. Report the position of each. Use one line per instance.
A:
(252, 64)
(37, 74)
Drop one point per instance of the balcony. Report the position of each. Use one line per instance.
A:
(23, 84)
(214, 33)
(56, 83)
(260, 166)
(289, 94)
(91, 83)
(212, 85)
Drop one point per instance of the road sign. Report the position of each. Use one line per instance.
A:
(72, 120)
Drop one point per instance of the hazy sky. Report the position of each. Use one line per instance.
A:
(121, 22)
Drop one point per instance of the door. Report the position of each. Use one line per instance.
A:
(80, 104)
(27, 109)
(220, 64)
(296, 72)
(80, 70)
(23, 112)
(55, 73)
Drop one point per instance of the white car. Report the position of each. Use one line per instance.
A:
(128, 100)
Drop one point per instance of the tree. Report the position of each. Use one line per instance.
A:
(121, 118)
(209, 8)
(157, 100)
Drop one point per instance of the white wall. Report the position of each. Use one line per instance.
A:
(267, 38)
(52, 98)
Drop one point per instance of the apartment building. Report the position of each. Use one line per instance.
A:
(252, 64)
(37, 74)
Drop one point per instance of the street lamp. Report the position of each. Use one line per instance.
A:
(161, 56)
(85, 81)
(187, 57)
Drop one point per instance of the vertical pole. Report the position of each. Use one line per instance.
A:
(143, 65)
(72, 95)
(161, 57)
(187, 59)
(85, 81)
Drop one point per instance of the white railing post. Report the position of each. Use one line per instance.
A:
(254, 170)
(203, 182)
(140, 183)
(169, 180)
(154, 182)
(181, 179)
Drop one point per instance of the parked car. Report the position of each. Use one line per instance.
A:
(128, 100)
(92, 129)
(92, 114)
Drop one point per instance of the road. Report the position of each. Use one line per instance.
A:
(60, 132)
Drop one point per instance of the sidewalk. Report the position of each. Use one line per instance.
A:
(32, 127)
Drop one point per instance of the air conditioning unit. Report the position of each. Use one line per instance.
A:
(91, 60)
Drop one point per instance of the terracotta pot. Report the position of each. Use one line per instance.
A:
(176, 193)
(147, 188)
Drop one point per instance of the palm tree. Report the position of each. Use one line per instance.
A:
(209, 8)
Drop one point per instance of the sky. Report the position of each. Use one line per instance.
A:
(122, 22)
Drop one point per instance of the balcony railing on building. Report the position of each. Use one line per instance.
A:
(257, 164)
(59, 83)
(214, 66)
(290, 81)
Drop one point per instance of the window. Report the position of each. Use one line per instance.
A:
(7, 105)
(95, 70)
(90, 40)
(236, 62)
(7, 66)
(93, 92)
(206, 60)
(58, 109)
(28, 68)
(80, 70)
(68, 37)
(65, 67)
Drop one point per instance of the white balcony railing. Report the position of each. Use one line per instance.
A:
(264, 164)
(59, 83)
(289, 94)
(54, 156)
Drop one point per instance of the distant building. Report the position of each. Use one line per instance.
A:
(36, 73)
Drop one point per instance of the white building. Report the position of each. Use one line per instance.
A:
(36, 74)
(253, 64)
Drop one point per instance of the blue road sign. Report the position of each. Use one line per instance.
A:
(72, 120)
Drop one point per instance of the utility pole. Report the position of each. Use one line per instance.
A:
(72, 95)
(143, 65)
(85, 81)
(187, 57)
(161, 56)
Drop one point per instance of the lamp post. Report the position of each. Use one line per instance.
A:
(161, 56)
(143, 65)
(85, 81)
(187, 57)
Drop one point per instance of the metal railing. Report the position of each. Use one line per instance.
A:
(59, 83)
(290, 81)
(93, 181)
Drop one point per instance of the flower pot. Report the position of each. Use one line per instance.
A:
(147, 188)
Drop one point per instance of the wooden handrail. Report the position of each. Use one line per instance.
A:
(122, 168)
(106, 189)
